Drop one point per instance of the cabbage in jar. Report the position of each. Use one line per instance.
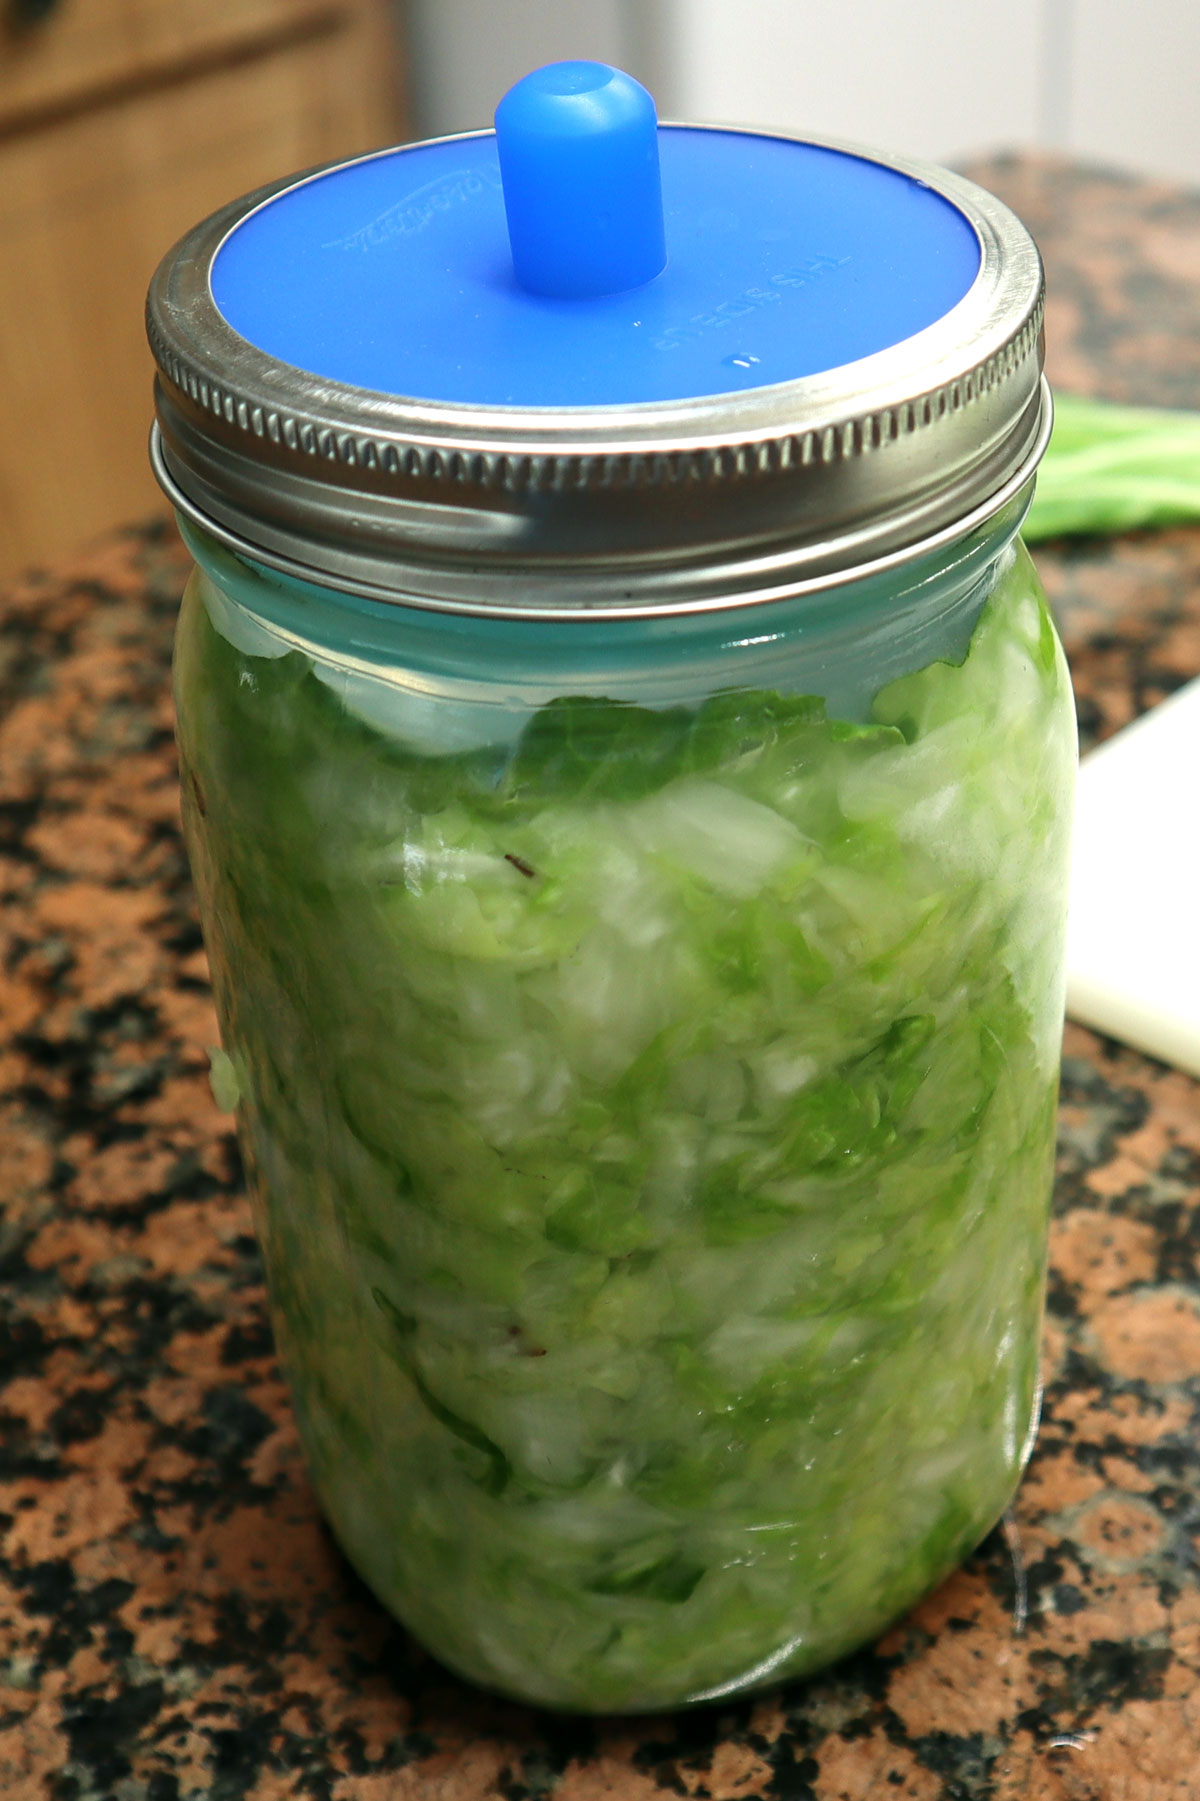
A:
(650, 1114)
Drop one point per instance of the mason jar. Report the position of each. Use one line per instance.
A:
(627, 765)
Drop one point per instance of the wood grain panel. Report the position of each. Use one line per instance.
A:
(86, 211)
(86, 48)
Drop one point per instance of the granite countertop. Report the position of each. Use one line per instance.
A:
(176, 1622)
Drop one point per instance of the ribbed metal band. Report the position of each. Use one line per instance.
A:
(663, 507)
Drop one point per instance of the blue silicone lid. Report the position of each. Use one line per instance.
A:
(783, 259)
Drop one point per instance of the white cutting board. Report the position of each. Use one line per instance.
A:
(1133, 942)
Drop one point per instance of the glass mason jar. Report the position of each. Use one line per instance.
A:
(643, 1018)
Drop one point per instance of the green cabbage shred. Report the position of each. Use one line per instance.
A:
(1113, 468)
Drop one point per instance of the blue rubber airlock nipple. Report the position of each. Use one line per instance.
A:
(578, 144)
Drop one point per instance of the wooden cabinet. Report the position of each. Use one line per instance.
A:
(122, 122)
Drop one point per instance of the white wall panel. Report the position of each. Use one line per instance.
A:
(1114, 80)
(465, 54)
(932, 78)
(1135, 85)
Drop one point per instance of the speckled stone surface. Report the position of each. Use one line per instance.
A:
(175, 1623)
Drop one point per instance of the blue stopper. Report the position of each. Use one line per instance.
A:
(578, 145)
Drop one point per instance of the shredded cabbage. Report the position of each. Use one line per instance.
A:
(1114, 468)
(650, 1130)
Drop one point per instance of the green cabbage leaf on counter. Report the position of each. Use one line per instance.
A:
(1114, 468)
